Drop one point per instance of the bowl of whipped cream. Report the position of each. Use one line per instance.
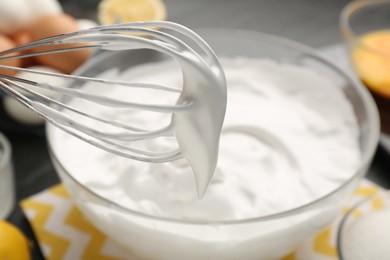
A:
(297, 137)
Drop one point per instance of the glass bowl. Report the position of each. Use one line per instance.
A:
(365, 26)
(363, 232)
(266, 237)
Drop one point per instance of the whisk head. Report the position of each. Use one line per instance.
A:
(54, 103)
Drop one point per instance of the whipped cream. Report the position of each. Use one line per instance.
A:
(289, 137)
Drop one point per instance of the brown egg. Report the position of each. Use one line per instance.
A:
(54, 24)
(5, 44)
(21, 37)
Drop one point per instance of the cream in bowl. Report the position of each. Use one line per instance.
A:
(297, 137)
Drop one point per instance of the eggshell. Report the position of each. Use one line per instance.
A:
(86, 24)
(18, 111)
(54, 24)
(39, 8)
(22, 37)
(14, 14)
(5, 44)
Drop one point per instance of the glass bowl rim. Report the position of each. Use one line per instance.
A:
(346, 29)
(6, 151)
(373, 118)
(343, 223)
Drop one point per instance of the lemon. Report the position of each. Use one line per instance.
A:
(123, 11)
(13, 244)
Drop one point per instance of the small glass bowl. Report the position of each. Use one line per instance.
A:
(361, 18)
(7, 185)
(363, 216)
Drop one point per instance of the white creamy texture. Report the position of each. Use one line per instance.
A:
(289, 137)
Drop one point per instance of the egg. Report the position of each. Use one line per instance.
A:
(21, 114)
(5, 44)
(39, 8)
(18, 111)
(14, 14)
(54, 24)
(21, 37)
(86, 24)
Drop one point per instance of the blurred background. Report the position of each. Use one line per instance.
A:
(315, 23)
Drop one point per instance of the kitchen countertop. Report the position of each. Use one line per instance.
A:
(314, 23)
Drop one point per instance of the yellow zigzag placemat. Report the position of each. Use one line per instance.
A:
(64, 233)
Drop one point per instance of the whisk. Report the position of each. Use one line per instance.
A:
(201, 70)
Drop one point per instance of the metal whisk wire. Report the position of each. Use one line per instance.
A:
(115, 38)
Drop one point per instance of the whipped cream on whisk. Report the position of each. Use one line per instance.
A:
(289, 137)
(197, 119)
(197, 113)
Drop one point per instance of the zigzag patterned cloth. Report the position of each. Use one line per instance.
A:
(64, 233)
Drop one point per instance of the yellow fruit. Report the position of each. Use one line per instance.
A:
(13, 244)
(372, 61)
(124, 11)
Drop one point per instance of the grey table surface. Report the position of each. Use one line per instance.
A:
(312, 22)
